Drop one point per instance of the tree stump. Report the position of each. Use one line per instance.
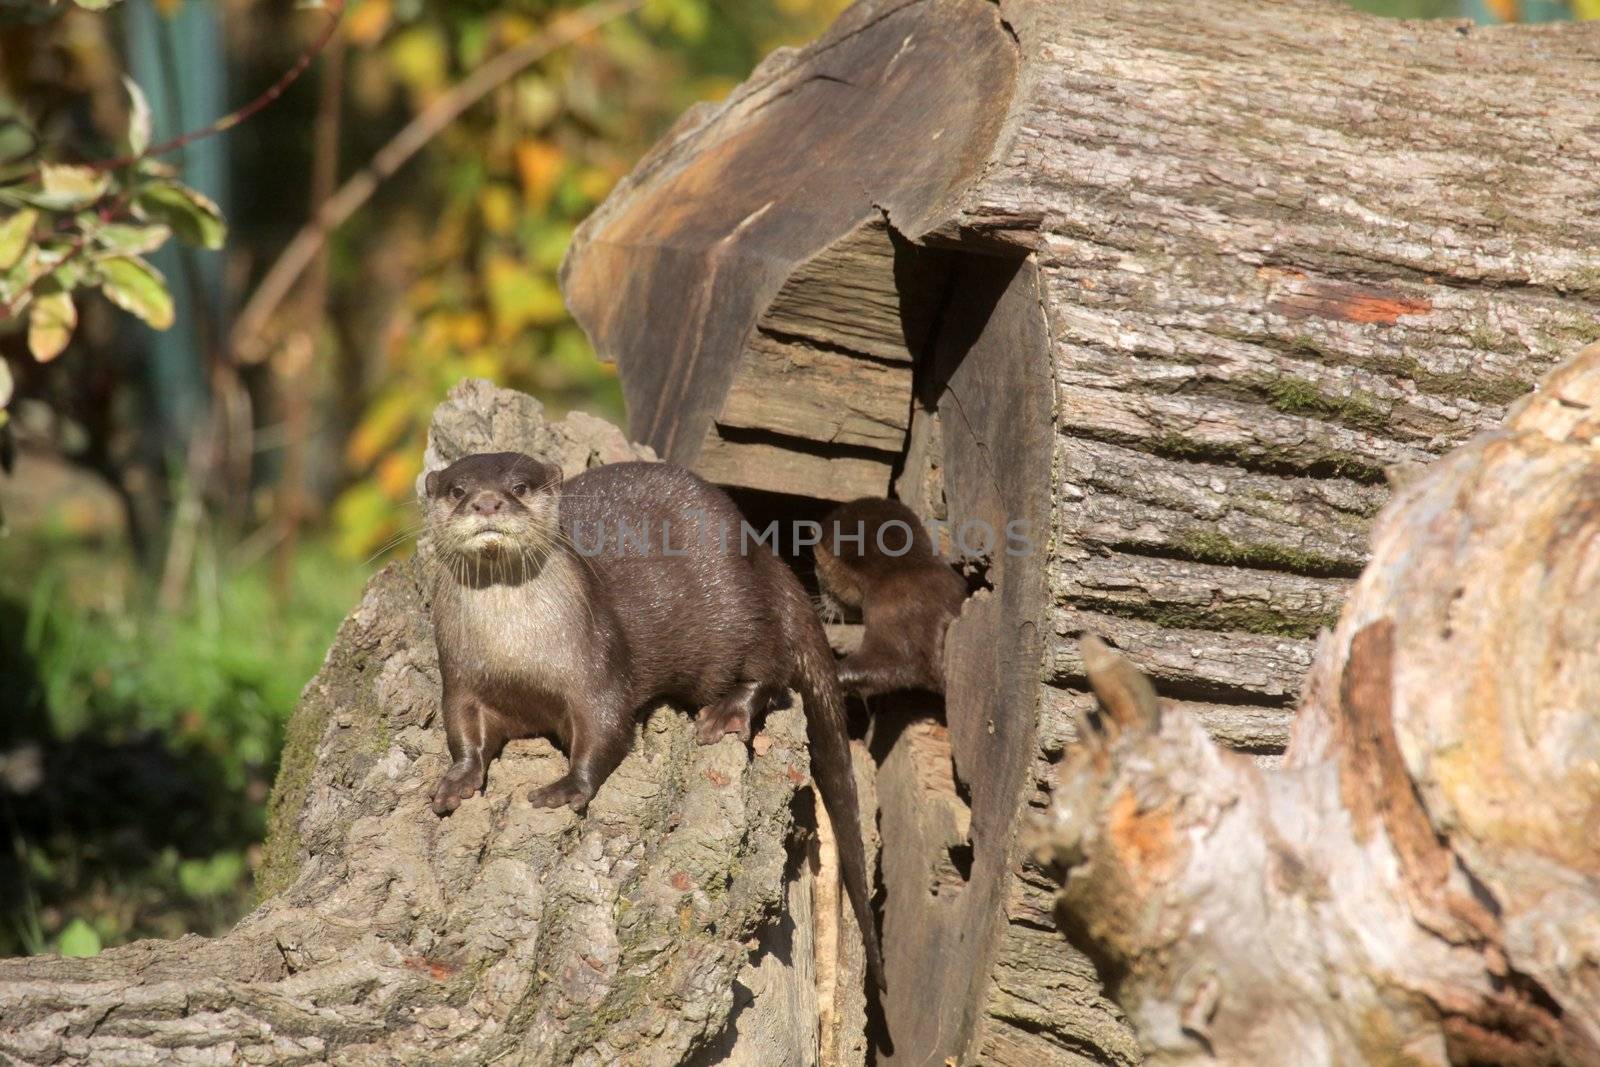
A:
(1175, 284)
(672, 924)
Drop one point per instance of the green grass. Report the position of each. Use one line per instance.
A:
(158, 732)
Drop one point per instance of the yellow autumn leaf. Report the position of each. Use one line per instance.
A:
(368, 22)
(365, 519)
(385, 420)
(397, 474)
(515, 28)
(50, 325)
(498, 206)
(595, 183)
(483, 365)
(468, 330)
(421, 59)
(15, 233)
(1586, 9)
(519, 298)
(539, 165)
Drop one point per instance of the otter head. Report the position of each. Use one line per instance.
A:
(494, 509)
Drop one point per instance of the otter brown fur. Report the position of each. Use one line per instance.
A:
(553, 615)
(875, 557)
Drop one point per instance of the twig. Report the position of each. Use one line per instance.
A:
(299, 253)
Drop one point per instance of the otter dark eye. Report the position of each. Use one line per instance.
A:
(520, 489)
(456, 492)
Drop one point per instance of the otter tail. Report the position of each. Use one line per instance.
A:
(817, 679)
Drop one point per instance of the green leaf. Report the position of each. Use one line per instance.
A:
(211, 877)
(70, 274)
(7, 385)
(79, 939)
(191, 214)
(50, 325)
(14, 234)
(137, 288)
(131, 240)
(68, 188)
(18, 140)
(139, 122)
(16, 282)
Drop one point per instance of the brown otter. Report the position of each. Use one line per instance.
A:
(875, 557)
(561, 608)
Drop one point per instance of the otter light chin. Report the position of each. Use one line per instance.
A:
(490, 542)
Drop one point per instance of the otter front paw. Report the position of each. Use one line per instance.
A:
(464, 779)
(564, 790)
(717, 721)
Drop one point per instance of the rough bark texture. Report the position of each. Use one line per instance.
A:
(673, 923)
(1180, 281)
(1419, 882)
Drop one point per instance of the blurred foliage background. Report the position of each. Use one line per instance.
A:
(193, 510)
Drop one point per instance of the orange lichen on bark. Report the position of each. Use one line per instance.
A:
(1344, 301)
(1144, 839)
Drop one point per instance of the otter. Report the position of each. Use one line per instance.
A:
(563, 607)
(876, 558)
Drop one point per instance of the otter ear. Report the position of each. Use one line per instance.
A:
(549, 474)
(433, 483)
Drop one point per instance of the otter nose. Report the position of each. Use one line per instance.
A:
(487, 504)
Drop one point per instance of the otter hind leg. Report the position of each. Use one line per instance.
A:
(737, 711)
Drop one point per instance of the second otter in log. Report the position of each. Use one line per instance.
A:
(875, 557)
(562, 608)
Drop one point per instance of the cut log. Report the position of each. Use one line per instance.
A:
(675, 922)
(1179, 283)
(1419, 883)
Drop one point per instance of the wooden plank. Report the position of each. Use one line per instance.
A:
(846, 297)
(775, 468)
(800, 390)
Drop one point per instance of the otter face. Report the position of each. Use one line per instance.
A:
(493, 507)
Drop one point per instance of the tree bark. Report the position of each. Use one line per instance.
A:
(1420, 881)
(674, 923)
(1178, 283)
